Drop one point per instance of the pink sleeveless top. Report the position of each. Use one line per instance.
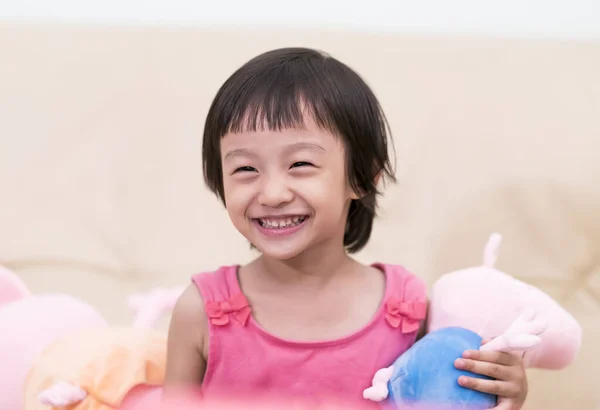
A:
(245, 360)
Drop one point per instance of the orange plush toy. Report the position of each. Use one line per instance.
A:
(105, 368)
(58, 352)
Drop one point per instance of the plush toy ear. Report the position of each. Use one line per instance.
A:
(490, 254)
(150, 307)
(11, 287)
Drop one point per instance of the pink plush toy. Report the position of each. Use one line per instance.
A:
(29, 324)
(488, 301)
(33, 325)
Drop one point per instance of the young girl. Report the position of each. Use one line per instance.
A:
(296, 145)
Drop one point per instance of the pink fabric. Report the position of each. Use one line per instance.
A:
(245, 360)
(12, 287)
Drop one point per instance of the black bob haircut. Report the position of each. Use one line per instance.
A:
(275, 91)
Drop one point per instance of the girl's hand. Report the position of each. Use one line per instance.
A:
(510, 384)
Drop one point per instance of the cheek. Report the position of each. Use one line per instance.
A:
(237, 197)
(329, 192)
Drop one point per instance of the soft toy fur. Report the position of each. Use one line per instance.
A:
(487, 301)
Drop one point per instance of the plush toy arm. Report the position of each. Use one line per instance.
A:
(62, 394)
(522, 335)
(149, 307)
(456, 295)
(379, 391)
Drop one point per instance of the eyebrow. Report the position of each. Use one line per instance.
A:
(298, 146)
(240, 152)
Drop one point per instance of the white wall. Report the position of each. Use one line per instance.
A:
(524, 18)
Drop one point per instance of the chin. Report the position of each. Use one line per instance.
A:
(280, 253)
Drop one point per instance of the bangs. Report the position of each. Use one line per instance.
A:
(277, 95)
(274, 110)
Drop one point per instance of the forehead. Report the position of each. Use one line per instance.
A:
(307, 137)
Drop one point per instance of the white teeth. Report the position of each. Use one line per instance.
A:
(282, 223)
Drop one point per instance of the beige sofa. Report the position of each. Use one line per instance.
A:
(100, 173)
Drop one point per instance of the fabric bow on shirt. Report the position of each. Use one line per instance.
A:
(405, 315)
(237, 306)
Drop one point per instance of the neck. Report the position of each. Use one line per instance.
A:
(313, 267)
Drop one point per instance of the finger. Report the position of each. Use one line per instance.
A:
(503, 358)
(494, 370)
(496, 387)
(506, 404)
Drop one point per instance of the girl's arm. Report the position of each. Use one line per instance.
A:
(186, 362)
(423, 328)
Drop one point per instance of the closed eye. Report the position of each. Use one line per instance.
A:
(244, 169)
(301, 164)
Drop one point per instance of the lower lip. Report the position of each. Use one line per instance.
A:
(279, 231)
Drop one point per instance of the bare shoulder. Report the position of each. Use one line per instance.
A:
(189, 305)
(187, 346)
(188, 317)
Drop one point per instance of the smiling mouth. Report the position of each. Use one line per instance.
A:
(281, 223)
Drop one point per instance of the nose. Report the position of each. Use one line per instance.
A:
(275, 192)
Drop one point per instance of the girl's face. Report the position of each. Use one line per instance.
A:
(286, 191)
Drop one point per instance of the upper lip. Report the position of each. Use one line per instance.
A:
(288, 215)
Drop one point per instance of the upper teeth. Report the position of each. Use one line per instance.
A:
(281, 223)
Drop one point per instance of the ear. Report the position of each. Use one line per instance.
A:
(354, 195)
(378, 177)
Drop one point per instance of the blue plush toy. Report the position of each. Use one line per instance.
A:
(425, 375)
